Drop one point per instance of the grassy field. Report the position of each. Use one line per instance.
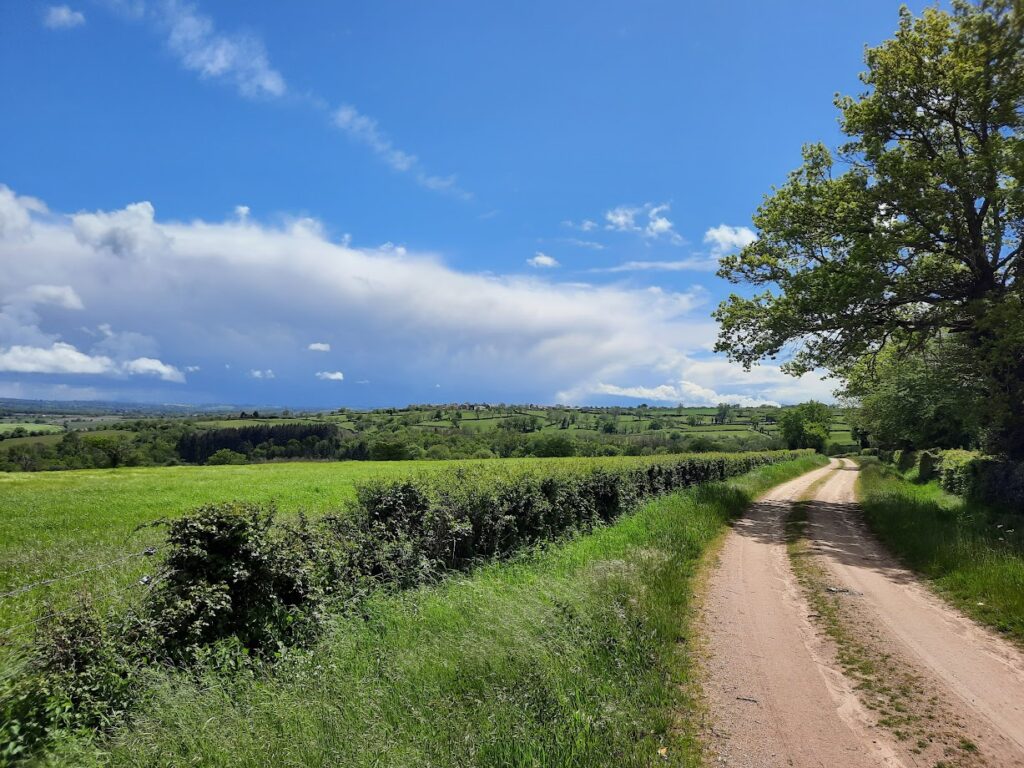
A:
(973, 555)
(6, 427)
(59, 523)
(67, 525)
(576, 656)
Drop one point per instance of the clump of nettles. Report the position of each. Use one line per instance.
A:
(238, 586)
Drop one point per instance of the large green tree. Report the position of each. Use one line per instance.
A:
(927, 398)
(806, 425)
(915, 229)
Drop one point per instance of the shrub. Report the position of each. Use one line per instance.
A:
(226, 456)
(958, 471)
(233, 572)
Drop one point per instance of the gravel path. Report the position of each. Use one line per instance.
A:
(775, 688)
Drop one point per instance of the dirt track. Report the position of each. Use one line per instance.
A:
(776, 690)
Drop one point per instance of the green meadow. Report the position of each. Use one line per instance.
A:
(55, 524)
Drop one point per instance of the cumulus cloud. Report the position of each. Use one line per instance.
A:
(58, 295)
(319, 346)
(713, 381)
(648, 220)
(246, 295)
(16, 213)
(218, 293)
(128, 232)
(541, 260)
(682, 392)
(725, 238)
(62, 17)
(57, 358)
(330, 375)
(64, 358)
(149, 366)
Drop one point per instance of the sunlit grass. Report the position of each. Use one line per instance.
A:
(973, 554)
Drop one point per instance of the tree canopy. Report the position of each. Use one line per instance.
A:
(914, 228)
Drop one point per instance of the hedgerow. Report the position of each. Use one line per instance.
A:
(990, 479)
(238, 585)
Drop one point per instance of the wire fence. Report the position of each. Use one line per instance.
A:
(147, 552)
(148, 581)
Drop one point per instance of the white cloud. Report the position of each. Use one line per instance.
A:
(365, 130)
(591, 244)
(264, 374)
(57, 295)
(541, 260)
(128, 232)
(586, 225)
(684, 392)
(149, 366)
(220, 293)
(58, 358)
(725, 238)
(623, 218)
(712, 381)
(62, 17)
(64, 358)
(692, 264)
(319, 346)
(192, 368)
(239, 59)
(330, 375)
(16, 213)
(242, 60)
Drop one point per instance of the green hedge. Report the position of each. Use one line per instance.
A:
(443, 521)
(966, 473)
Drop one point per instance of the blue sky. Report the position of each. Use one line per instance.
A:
(325, 204)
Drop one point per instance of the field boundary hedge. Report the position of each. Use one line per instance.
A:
(966, 473)
(239, 586)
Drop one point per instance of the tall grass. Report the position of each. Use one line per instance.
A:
(974, 554)
(577, 655)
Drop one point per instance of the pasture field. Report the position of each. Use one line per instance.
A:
(234, 423)
(573, 656)
(68, 525)
(6, 427)
(58, 523)
(54, 437)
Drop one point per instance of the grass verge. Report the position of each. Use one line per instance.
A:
(973, 554)
(573, 656)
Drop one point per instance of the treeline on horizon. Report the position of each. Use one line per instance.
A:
(378, 436)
